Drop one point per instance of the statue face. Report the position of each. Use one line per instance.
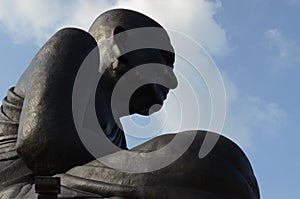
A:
(108, 26)
(148, 95)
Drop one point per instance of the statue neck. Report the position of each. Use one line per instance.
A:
(105, 116)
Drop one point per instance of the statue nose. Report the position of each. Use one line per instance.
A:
(166, 70)
(167, 75)
(171, 79)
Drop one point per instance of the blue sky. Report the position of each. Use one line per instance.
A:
(255, 45)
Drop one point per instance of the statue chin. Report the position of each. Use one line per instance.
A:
(144, 112)
(147, 104)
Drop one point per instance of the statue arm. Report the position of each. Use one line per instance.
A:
(47, 139)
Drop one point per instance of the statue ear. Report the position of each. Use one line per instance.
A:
(119, 42)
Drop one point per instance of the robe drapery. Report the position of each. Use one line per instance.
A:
(224, 173)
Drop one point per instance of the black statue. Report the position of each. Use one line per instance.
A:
(38, 136)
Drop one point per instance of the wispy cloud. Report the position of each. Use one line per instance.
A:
(282, 50)
(249, 116)
(279, 42)
(294, 2)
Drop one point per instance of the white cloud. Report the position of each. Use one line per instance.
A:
(37, 20)
(194, 18)
(33, 19)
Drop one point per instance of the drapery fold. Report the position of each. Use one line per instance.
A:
(9, 122)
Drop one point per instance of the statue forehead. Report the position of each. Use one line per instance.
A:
(102, 28)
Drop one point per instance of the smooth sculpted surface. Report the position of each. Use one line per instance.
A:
(39, 137)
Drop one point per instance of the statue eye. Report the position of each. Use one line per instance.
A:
(169, 57)
(118, 29)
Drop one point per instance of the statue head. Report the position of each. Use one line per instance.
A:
(126, 40)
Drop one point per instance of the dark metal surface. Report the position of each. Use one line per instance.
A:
(47, 185)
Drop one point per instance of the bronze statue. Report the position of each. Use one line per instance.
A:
(38, 136)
